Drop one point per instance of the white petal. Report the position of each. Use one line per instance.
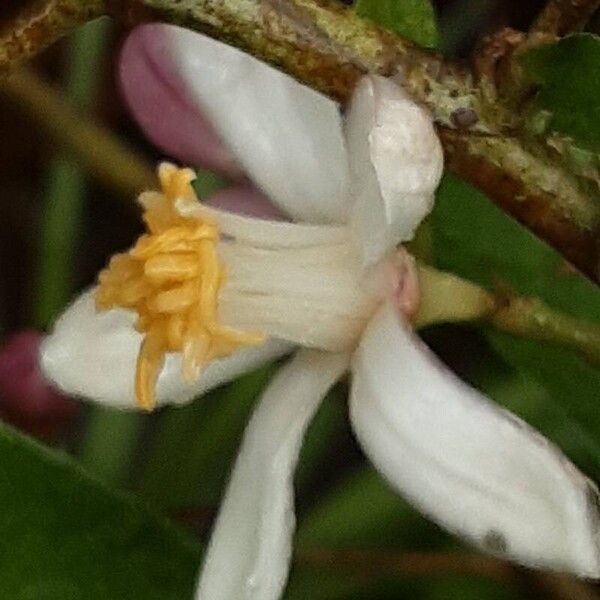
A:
(264, 233)
(250, 549)
(93, 355)
(396, 162)
(470, 465)
(287, 136)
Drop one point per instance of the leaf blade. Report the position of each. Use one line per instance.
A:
(412, 19)
(66, 535)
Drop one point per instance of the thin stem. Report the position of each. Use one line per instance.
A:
(562, 587)
(531, 318)
(323, 44)
(381, 563)
(100, 153)
(446, 298)
(39, 24)
(561, 17)
(111, 437)
(63, 204)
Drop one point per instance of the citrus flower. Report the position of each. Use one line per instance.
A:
(207, 294)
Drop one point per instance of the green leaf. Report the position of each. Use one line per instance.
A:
(201, 439)
(65, 536)
(568, 101)
(556, 394)
(363, 512)
(474, 239)
(323, 433)
(208, 183)
(110, 439)
(341, 518)
(412, 19)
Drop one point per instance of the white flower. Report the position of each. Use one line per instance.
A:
(333, 286)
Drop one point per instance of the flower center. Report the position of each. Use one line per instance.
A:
(171, 278)
(297, 282)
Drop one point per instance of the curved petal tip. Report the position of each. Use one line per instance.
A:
(396, 162)
(287, 137)
(251, 545)
(159, 101)
(470, 465)
(93, 355)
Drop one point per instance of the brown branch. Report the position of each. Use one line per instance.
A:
(545, 198)
(102, 154)
(371, 563)
(327, 46)
(562, 587)
(367, 563)
(561, 17)
(39, 24)
(532, 319)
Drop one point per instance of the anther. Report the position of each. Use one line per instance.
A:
(171, 278)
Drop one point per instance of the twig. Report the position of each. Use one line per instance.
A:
(369, 563)
(39, 24)
(563, 587)
(105, 157)
(531, 318)
(536, 191)
(321, 43)
(378, 562)
(327, 46)
(561, 17)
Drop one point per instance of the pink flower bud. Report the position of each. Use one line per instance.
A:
(26, 399)
(158, 100)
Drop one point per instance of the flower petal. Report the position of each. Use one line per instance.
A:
(287, 136)
(245, 200)
(265, 233)
(396, 162)
(250, 549)
(93, 355)
(470, 465)
(158, 100)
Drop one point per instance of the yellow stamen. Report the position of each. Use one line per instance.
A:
(171, 278)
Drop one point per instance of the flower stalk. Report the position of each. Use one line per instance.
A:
(447, 298)
(365, 562)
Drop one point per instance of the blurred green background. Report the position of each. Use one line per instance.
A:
(66, 533)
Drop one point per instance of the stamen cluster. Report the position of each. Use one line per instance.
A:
(171, 279)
